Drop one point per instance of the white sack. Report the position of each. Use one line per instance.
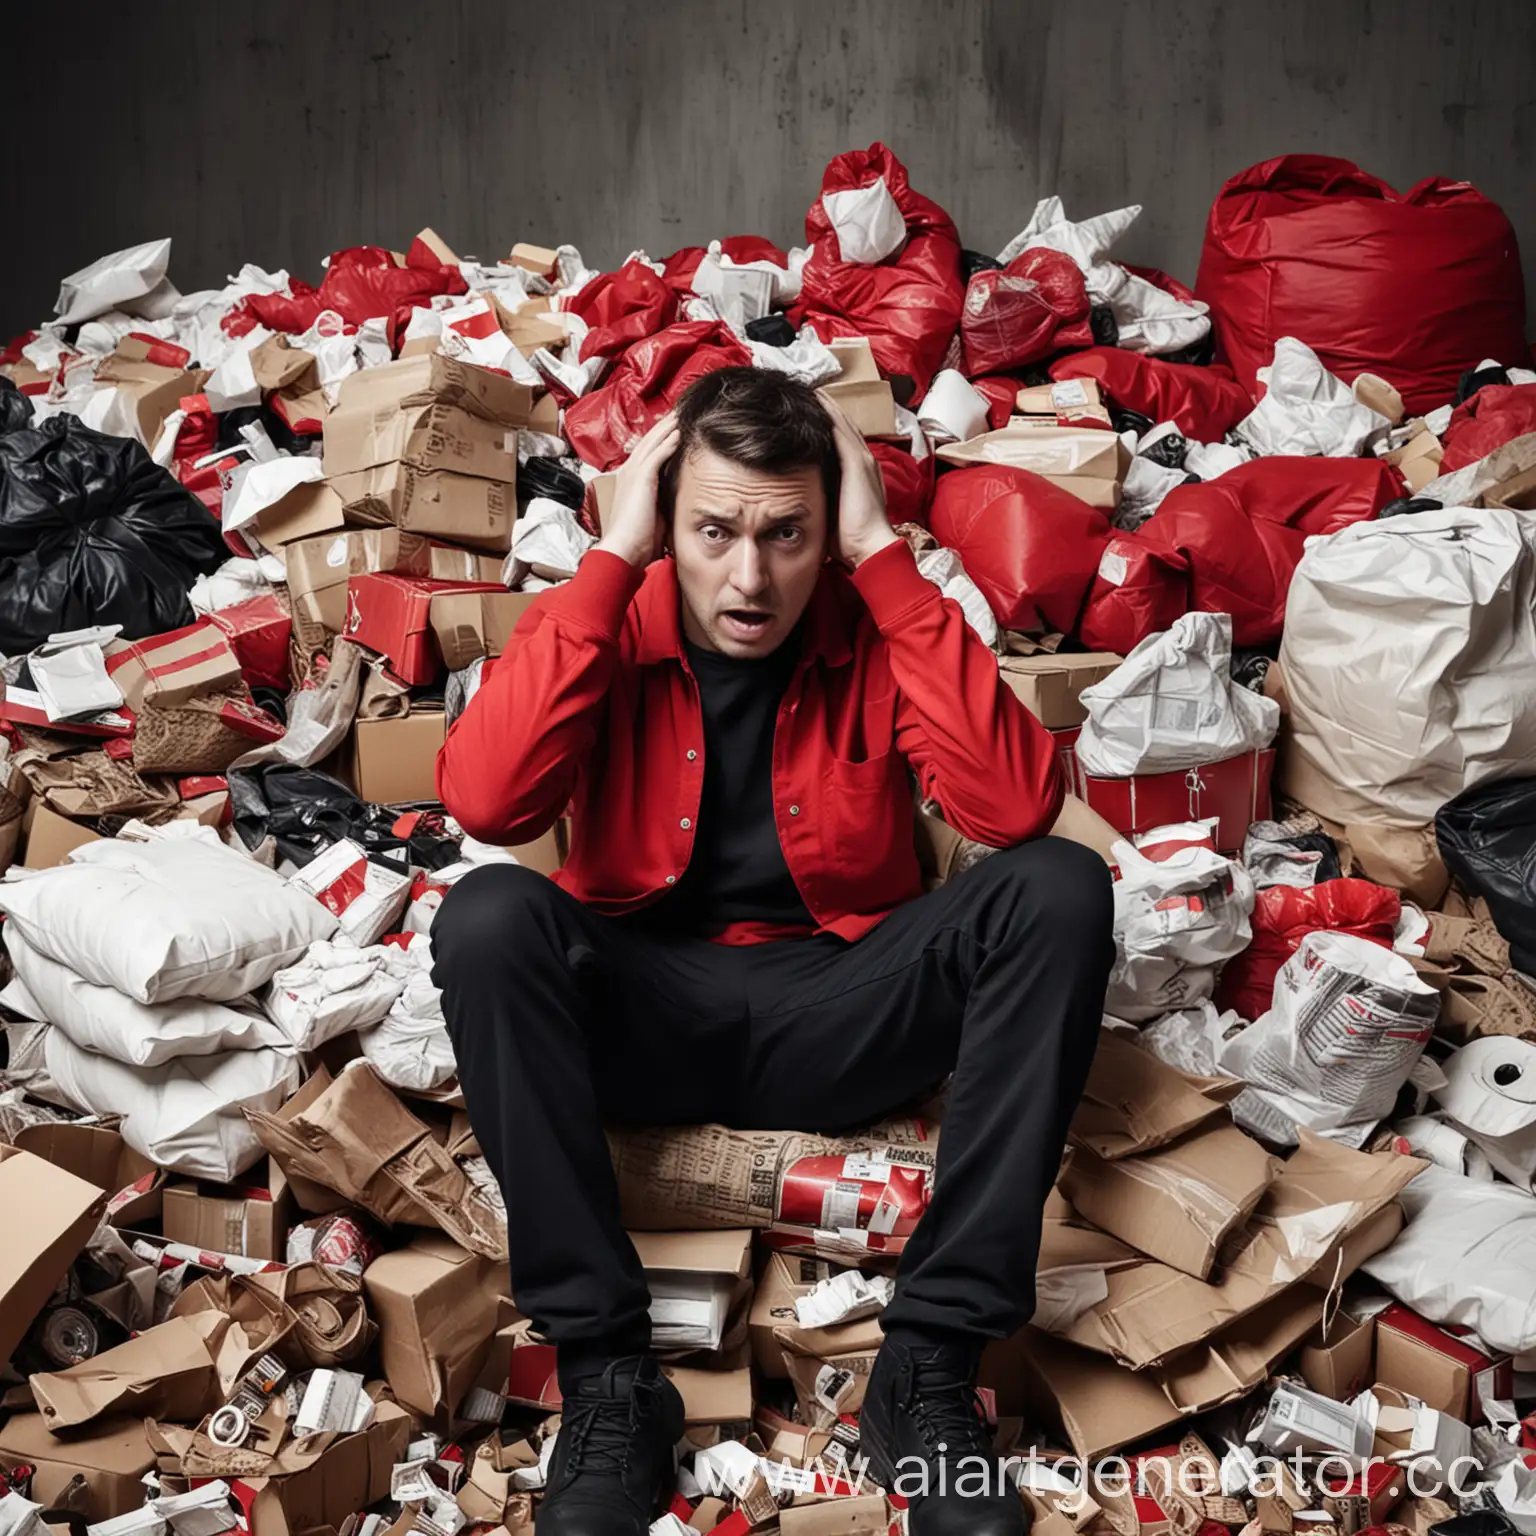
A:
(1273, 860)
(1349, 1021)
(335, 988)
(807, 358)
(1172, 704)
(111, 280)
(867, 222)
(186, 1116)
(411, 1048)
(1489, 1094)
(547, 539)
(1176, 919)
(1466, 1257)
(138, 1034)
(165, 920)
(945, 569)
(1305, 409)
(1410, 663)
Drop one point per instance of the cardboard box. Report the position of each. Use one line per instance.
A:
(391, 614)
(848, 1349)
(1059, 398)
(48, 838)
(697, 1279)
(1178, 1203)
(174, 668)
(309, 509)
(535, 258)
(1087, 461)
(112, 1456)
(713, 1397)
(50, 1214)
(862, 1515)
(393, 762)
(433, 379)
(859, 391)
(1048, 686)
(1340, 1363)
(151, 379)
(602, 489)
(1367, 1498)
(1418, 460)
(1517, 494)
(469, 625)
(426, 437)
(783, 1281)
(436, 1307)
(99, 1155)
(1374, 392)
(1432, 1364)
(251, 1219)
(439, 503)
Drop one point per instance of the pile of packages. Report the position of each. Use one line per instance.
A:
(1260, 554)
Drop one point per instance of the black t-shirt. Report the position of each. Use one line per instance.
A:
(737, 872)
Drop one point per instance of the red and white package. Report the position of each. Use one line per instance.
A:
(339, 1240)
(366, 897)
(257, 631)
(425, 898)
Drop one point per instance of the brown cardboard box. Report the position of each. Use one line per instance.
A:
(112, 1456)
(862, 1515)
(438, 503)
(307, 510)
(50, 1215)
(713, 1397)
(545, 415)
(849, 1348)
(154, 389)
(1179, 1202)
(711, 1268)
(783, 1281)
(604, 488)
(469, 625)
(100, 1156)
(175, 668)
(1374, 392)
(535, 258)
(391, 762)
(1418, 460)
(436, 379)
(436, 1307)
(48, 838)
(1061, 396)
(426, 437)
(859, 392)
(1517, 494)
(1444, 1372)
(221, 1218)
(1048, 686)
(313, 1198)
(1340, 1363)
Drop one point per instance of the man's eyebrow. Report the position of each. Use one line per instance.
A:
(734, 514)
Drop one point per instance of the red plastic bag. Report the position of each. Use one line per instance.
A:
(604, 425)
(1034, 306)
(1031, 547)
(907, 305)
(1203, 403)
(1002, 393)
(1495, 415)
(908, 482)
(1136, 592)
(1284, 915)
(679, 267)
(622, 308)
(1416, 287)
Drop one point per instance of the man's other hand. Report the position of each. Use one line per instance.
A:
(863, 529)
(634, 529)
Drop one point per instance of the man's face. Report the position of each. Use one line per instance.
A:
(749, 547)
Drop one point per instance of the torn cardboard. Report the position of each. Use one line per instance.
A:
(99, 1155)
(464, 509)
(1049, 686)
(472, 625)
(251, 1219)
(426, 437)
(110, 1457)
(434, 379)
(859, 391)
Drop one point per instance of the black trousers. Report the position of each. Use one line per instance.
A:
(563, 1019)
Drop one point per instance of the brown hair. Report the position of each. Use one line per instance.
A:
(757, 417)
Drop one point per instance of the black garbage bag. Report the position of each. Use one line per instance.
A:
(971, 262)
(1487, 837)
(773, 330)
(93, 531)
(15, 408)
(304, 811)
(549, 477)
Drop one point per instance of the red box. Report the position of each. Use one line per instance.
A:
(391, 614)
(257, 631)
(1438, 1366)
(1235, 791)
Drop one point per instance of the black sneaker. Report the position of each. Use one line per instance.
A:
(613, 1465)
(925, 1439)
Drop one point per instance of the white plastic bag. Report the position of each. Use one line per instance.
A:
(1305, 409)
(411, 1048)
(113, 280)
(1348, 1022)
(365, 896)
(1177, 918)
(335, 988)
(1172, 704)
(945, 569)
(164, 920)
(186, 1116)
(1466, 1257)
(1410, 663)
(867, 222)
(104, 1020)
(547, 540)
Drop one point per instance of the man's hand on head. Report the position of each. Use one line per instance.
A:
(634, 530)
(863, 529)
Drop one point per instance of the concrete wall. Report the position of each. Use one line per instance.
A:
(283, 134)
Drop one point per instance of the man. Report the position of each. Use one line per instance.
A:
(740, 935)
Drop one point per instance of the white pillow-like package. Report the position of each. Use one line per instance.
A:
(335, 988)
(137, 1034)
(187, 1116)
(411, 1048)
(164, 920)
(867, 222)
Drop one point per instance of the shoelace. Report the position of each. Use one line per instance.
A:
(943, 1405)
(603, 1426)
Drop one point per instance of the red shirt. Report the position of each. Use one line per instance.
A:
(593, 706)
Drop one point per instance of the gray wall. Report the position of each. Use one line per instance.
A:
(301, 128)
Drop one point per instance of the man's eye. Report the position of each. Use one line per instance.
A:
(790, 535)
(713, 533)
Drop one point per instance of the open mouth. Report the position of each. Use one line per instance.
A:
(746, 623)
